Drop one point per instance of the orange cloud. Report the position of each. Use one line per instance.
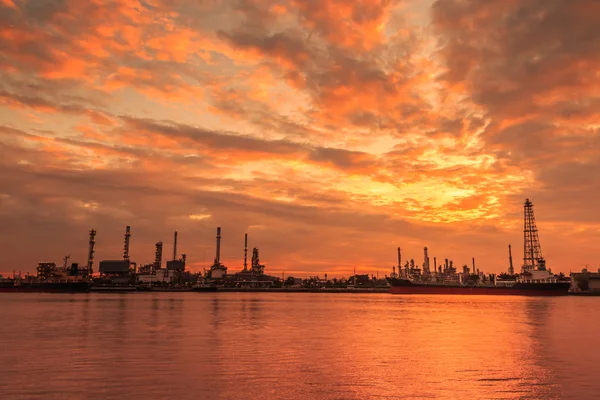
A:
(340, 123)
(9, 4)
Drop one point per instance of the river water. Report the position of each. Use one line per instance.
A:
(297, 346)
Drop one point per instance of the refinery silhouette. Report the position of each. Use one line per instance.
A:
(123, 275)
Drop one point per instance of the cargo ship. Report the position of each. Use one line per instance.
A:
(534, 279)
(550, 286)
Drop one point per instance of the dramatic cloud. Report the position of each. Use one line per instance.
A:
(331, 131)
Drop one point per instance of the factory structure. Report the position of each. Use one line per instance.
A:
(586, 280)
(125, 272)
(533, 267)
(119, 271)
(49, 271)
(444, 272)
(248, 277)
(154, 272)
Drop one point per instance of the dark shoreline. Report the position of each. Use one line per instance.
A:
(594, 293)
(117, 289)
(270, 290)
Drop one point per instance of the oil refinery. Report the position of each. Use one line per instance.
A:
(123, 274)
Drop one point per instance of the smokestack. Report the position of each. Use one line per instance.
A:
(175, 246)
(399, 259)
(426, 260)
(473, 264)
(90, 263)
(158, 255)
(511, 270)
(435, 263)
(446, 264)
(246, 252)
(218, 257)
(126, 247)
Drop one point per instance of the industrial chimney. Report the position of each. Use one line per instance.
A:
(126, 247)
(511, 269)
(399, 259)
(218, 257)
(426, 263)
(90, 263)
(175, 246)
(474, 265)
(245, 252)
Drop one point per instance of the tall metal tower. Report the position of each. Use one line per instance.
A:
(246, 252)
(175, 246)
(90, 264)
(511, 269)
(218, 255)
(126, 244)
(532, 255)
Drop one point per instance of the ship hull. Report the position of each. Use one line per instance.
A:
(519, 289)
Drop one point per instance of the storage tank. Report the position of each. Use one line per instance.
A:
(114, 266)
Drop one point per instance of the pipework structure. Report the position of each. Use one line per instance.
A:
(126, 245)
(90, 263)
(257, 267)
(158, 255)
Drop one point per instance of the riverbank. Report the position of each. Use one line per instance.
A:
(133, 289)
(590, 293)
(305, 290)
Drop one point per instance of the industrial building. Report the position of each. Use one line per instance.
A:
(155, 273)
(46, 270)
(109, 267)
(585, 280)
(115, 271)
(251, 277)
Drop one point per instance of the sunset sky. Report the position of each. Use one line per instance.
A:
(332, 131)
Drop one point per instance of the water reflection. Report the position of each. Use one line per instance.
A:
(314, 346)
(85, 319)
